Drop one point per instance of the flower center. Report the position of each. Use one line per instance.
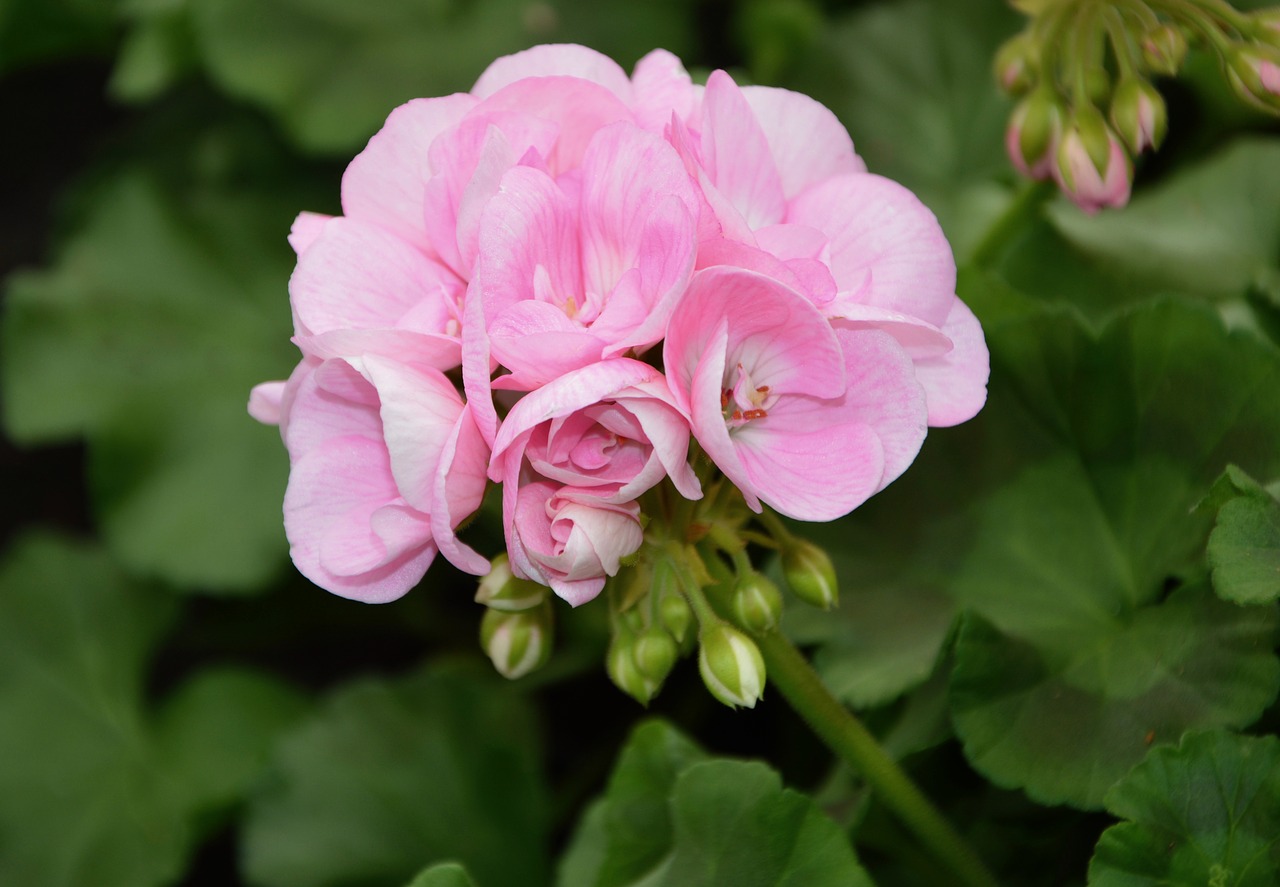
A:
(743, 401)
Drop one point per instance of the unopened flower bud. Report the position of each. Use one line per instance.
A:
(516, 642)
(1254, 72)
(757, 604)
(501, 590)
(654, 653)
(731, 665)
(1016, 64)
(1163, 49)
(676, 615)
(1093, 168)
(622, 669)
(1033, 133)
(810, 574)
(1138, 115)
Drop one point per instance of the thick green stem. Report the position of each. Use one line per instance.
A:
(791, 673)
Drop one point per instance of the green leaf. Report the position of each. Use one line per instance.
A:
(162, 311)
(331, 71)
(392, 775)
(912, 82)
(1204, 813)
(1210, 230)
(94, 790)
(672, 818)
(446, 874)
(1244, 547)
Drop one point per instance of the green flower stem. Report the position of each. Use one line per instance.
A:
(791, 673)
(1012, 222)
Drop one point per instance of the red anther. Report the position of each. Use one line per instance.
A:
(737, 414)
(763, 389)
(724, 398)
(755, 414)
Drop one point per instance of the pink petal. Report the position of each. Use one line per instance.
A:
(358, 276)
(264, 402)
(419, 407)
(955, 383)
(807, 142)
(884, 242)
(538, 343)
(386, 181)
(736, 155)
(662, 87)
(552, 59)
(306, 228)
(702, 394)
(458, 491)
(333, 400)
(333, 495)
(441, 352)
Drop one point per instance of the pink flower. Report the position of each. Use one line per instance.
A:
(386, 461)
(808, 419)
(569, 540)
(606, 433)
(780, 176)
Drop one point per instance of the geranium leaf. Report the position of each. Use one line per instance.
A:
(392, 775)
(673, 818)
(95, 791)
(1205, 812)
(332, 71)
(1211, 230)
(1244, 547)
(446, 874)
(161, 312)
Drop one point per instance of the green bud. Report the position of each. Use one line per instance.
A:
(1254, 72)
(757, 605)
(501, 590)
(1163, 49)
(731, 665)
(676, 615)
(1034, 129)
(810, 574)
(621, 666)
(1138, 114)
(1017, 61)
(516, 642)
(654, 653)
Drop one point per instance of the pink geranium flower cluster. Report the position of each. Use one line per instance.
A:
(555, 281)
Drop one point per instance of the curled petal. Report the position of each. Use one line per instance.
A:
(554, 59)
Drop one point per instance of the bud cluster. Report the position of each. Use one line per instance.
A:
(1077, 58)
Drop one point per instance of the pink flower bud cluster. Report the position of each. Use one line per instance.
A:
(553, 282)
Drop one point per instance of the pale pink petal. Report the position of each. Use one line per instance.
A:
(359, 276)
(419, 408)
(717, 216)
(329, 506)
(538, 343)
(306, 228)
(885, 244)
(385, 183)
(458, 491)
(577, 107)
(264, 402)
(333, 400)
(808, 143)
(662, 87)
(955, 383)
(702, 394)
(477, 365)
(668, 433)
(442, 352)
(551, 59)
(919, 339)
(736, 155)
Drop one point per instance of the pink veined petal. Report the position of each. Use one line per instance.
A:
(333, 400)
(385, 183)
(885, 244)
(578, 107)
(736, 155)
(567, 394)
(477, 365)
(808, 143)
(419, 408)
(301, 373)
(538, 343)
(264, 402)
(457, 492)
(706, 414)
(552, 59)
(333, 495)
(358, 276)
(468, 163)
(716, 216)
(919, 339)
(661, 87)
(955, 383)
(668, 432)
(305, 229)
(441, 352)
(527, 523)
